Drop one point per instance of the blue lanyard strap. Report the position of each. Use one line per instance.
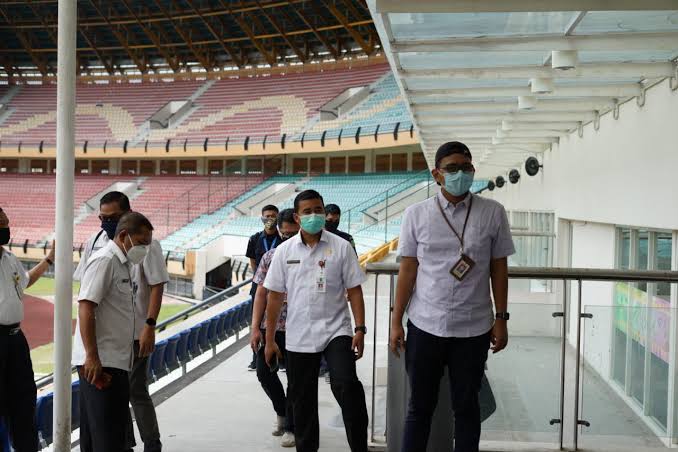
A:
(267, 247)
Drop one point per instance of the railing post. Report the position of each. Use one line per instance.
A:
(386, 220)
(577, 370)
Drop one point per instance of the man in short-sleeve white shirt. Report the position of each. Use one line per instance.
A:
(149, 278)
(316, 268)
(453, 247)
(17, 382)
(104, 338)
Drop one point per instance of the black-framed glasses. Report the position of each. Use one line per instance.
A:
(453, 168)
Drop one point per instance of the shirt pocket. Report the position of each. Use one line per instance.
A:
(478, 242)
(124, 287)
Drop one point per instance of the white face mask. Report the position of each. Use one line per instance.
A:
(137, 253)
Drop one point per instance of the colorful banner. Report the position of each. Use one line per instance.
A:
(631, 317)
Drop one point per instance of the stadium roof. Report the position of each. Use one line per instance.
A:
(173, 36)
(512, 77)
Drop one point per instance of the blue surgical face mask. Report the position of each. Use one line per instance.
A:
(458, 183)
(109, 228)
(312, 223)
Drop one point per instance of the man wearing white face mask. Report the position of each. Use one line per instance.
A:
(104, 338)
(453, 247)
(149, 277)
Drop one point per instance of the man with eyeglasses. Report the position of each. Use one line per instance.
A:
(268, 377)
(453, 247)
(17, 382)
(149, 277)
(258, 245)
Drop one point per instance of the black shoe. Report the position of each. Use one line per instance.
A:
(252, 367)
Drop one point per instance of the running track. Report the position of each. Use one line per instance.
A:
(38, 323)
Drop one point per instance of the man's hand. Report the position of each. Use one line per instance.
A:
(358, 345)
(397, 340)
(147, 341)
(255, 339)
(50, 255)
(92, 368)
(499, 336)
(270, 351)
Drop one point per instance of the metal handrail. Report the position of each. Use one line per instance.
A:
(565, 274)
(584, 274)
(45, 381)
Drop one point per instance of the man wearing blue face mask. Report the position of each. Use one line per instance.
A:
(316, 269)
(150, 277)
(453, 247)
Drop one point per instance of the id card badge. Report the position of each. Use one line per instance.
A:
(463, 266)
(320, 279)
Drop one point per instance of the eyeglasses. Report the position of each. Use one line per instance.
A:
(110, 219)
(452, 168)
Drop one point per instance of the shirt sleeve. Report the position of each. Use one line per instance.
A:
(352, 274)
(155, 270)
(80, 269)
(262, 269)
(407, 244)
(276, 277)
(252, 247)
(96, 280)
(502, 242)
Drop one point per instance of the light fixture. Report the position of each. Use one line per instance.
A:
(506, 125)
(514, 176)
(500, 181)
(564, 59)
(527, 102)
(541, 85)
(532, 166)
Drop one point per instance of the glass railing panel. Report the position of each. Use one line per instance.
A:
(525, 378)
(625, 370)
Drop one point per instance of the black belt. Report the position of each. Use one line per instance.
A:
(10, 330)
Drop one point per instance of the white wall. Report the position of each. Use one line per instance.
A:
(624, 173)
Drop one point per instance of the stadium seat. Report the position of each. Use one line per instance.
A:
(44, 418)
(203, 337)
(157, 361)
(171, 353)
(212, 333)
(230, 324)
(182, 347)
(222, 333)
(193, 344)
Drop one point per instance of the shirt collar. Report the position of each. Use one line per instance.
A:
(323, 237)
(445, 203)
(117, 251)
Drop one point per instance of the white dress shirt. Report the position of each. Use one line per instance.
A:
(441, 305)
(315, 318)
(107, 281)
(152, 271)
(13, 282)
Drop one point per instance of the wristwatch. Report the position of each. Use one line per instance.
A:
(150, 321)
(502, 315)
(361, 329)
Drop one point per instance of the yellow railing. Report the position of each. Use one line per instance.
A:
(378, 253)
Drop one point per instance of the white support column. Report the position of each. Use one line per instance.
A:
(66, 67)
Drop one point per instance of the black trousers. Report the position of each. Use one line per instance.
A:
(426, 356)
(17, 392)
(104, 414)
(302, 371)
(271, 383)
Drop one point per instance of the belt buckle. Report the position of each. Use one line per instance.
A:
(14, 331)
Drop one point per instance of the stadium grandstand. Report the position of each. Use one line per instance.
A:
(204, 111)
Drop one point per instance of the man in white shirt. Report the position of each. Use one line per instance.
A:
(453, 246)
(316, 269)
(17, 382)
(104, 337)
(149, 278)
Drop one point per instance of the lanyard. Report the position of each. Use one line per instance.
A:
(267, 247)
(468, 212)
